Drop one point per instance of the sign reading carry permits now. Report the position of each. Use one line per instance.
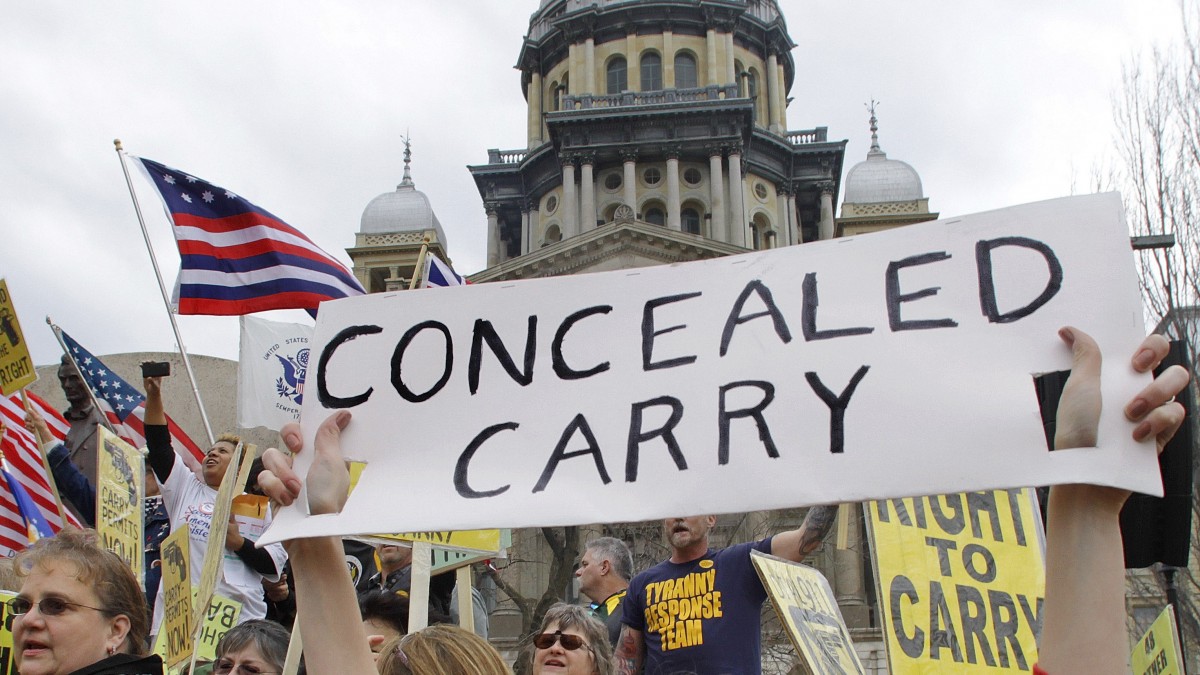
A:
(961, 580)
(176, 596)
(222, 615)
(1158, 652)
(16, 367)
(119, 493)
(885, 365)
(805, 604)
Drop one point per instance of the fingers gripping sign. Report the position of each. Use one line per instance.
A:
(328, 479)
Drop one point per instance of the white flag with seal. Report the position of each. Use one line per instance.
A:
(271, 368)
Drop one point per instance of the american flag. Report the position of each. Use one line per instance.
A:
(236, 258)
(23, 456)
(438, 274)
(123, 405)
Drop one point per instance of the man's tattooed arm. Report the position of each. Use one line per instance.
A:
(795, 545)
(631, 652)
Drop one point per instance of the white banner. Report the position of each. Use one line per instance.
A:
(892, 364)
(272, 364)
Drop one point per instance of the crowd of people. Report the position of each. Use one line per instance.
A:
(81, 611)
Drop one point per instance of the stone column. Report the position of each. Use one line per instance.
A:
(781, 93)
(717, 183)
(783, 197)
(668, 59)
(737, 206)
(793, 233)
(629, 179)
(849, 587)
(587, 184)
(535, 109)
(825, 223)
(589, 65)
(573, 82)
(570, 212)
(493, 240)
(673, 221)
(710, 43)
(772, 93)
(525, 234)
(730, 68)
(535, 225)
(633, 70)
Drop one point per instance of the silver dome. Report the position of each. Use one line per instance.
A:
(405, 210)
(879, 179)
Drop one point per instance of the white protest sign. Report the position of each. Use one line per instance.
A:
(892, 364)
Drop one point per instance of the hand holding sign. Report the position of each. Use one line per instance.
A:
(1084, 626)
(328, 481)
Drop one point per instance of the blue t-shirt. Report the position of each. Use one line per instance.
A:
(701, 616)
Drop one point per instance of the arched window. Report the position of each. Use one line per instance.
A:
(618, 78)
(760, 232)
(555, 96)
(690, 220)
(656, 216)
(553, 234)
(651, 72)
(685, 71)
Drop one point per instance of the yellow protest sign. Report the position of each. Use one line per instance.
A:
(119, 492)
(961, 581)
(16, 367)
(1158, 652)
(467, 541)
(175, 630)
(222, 615)
(7, 667)
(805, 604)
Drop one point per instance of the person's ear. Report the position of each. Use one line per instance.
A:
(605, 567)
(118, 630)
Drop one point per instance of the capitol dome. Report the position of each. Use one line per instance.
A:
(879, 179)
(407, 209)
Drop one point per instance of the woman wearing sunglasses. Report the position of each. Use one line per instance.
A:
(572, 643)
(80, 611)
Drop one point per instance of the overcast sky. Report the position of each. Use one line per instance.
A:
(300, 107)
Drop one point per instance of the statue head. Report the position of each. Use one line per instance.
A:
(73, 385)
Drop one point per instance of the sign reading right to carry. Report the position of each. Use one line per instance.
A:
(961, 580)
(16, 367)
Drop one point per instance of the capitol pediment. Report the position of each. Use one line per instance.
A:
(612, 246)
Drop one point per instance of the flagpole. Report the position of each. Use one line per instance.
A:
(62, 512)
(187, 362)
(420, 268)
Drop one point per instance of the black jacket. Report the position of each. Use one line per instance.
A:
(124, 664)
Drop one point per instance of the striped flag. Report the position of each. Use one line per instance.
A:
(438, 274)
(23, 457)
(123, 405)
(237, 258)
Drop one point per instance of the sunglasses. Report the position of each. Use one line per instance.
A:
(50, 606)
(569, 642)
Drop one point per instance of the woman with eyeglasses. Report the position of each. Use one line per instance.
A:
(572, 643)
(80, 611)
(257, 647)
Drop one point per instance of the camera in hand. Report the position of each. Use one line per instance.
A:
(156, 368)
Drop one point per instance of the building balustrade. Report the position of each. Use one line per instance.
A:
(506, 156)
(802, 136)
(629, 98)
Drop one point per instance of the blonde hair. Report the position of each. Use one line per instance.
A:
(116, 587)
(440, 649)
(227, 437)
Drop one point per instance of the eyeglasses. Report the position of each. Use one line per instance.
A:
(48, 606)
(225, 667)
(569, 642)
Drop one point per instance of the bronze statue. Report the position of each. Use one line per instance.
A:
(84, 418)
